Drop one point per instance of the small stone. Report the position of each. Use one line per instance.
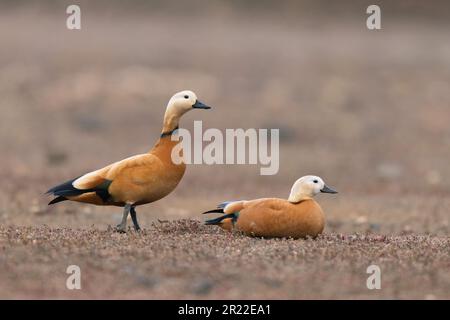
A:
(361, 220)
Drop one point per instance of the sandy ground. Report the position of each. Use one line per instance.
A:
(185, 259)
(367, 111)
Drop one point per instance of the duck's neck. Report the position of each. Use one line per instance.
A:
(298, 197)
(171, 122)
(168, 133)
(166, 142)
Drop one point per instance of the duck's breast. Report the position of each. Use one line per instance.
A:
(147, 180)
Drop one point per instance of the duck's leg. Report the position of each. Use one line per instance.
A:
(122, 227)
(134, 218)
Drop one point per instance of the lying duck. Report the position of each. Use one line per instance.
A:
(137, 180)
(297, 217)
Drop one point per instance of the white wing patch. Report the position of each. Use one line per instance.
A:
(83, 181)
(234, 206)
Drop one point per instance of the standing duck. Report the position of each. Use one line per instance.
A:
(297, 217)
(137, 180)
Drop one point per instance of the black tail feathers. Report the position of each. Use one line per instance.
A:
(67, 189)
(64, 190)
(214, 211)
(219, 219)
(56, 200)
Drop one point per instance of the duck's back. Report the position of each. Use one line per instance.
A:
(280, 218)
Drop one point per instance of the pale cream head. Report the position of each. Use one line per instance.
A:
(307, 187)
(180, 103)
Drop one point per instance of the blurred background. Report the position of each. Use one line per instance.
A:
(366, 110)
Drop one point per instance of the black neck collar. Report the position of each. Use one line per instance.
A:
(168, 133)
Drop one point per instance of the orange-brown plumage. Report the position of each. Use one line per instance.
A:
(137, 180)
(279, 218)
(296, 217)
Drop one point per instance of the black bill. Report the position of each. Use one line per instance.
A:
(200, 105)
(327, 189)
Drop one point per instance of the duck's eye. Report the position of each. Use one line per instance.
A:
(315, 181)
(186, 97)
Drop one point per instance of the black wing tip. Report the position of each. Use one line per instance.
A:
(56, 200)
(220, 207)
(211, 222)
(218, 220)
(67, 189)
(52, 190)
(214, 211)
(68, 185)
(64, 189)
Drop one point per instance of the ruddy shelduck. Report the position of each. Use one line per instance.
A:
(297, 217)
(137, 180)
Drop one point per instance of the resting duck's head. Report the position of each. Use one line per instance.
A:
(307, 187)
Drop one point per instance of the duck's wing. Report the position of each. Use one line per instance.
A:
(97, 182)
(226, 207)
(92, 182)
(280, 218)
(229, 209)
(232, 209)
